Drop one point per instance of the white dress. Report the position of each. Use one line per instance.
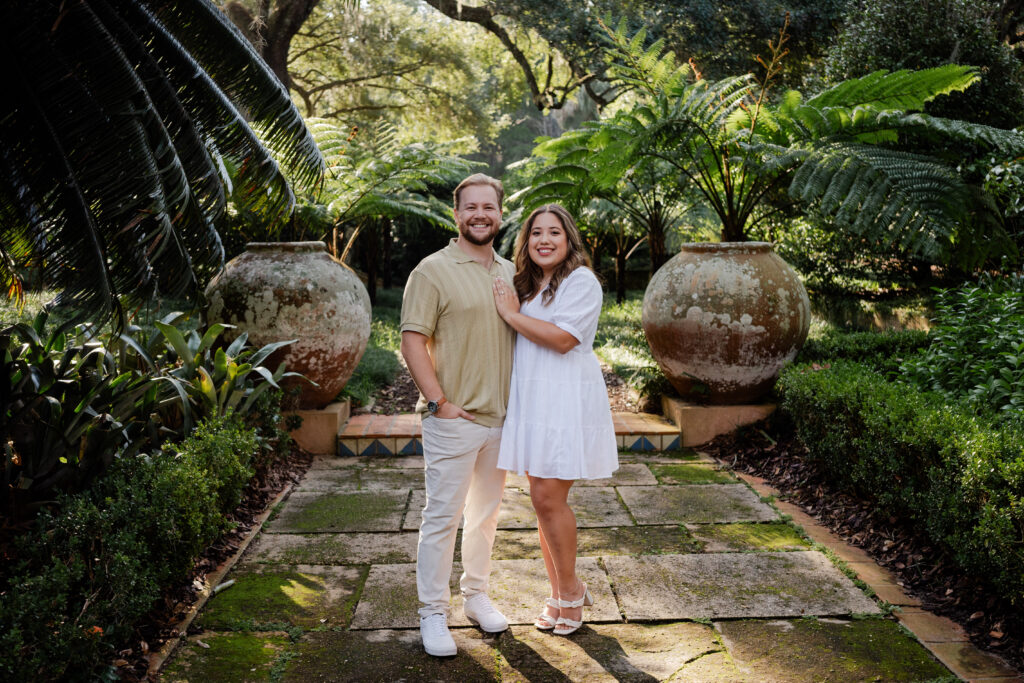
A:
(559, 422)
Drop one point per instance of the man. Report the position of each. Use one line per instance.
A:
(459, 352)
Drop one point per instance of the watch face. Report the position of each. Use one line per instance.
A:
(432, 406)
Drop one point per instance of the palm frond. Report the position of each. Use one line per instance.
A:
(225, 54)
(116, 152)
(1009, 142)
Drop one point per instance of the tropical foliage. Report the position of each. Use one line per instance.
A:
(976, 350)
(135, 123)
(373, 179)
(74, 401)
(748, 156)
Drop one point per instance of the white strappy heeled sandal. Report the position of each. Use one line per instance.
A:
(563, 626)
(544, 621)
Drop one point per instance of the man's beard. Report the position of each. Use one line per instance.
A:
(473, 239)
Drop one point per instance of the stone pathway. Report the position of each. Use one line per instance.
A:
(695, 575)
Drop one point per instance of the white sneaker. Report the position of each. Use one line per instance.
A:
(437, 640)
(480, 611)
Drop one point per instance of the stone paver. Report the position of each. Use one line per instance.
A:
(302, 595)
(387, 655)
(619, 652)
(695, 578)
(594, 507)
(340, 479)
(242, 657)
(359, 479)
(339, 549)
(691, 474)
(826, 650)
(628, 474)
(733, 585)
(724, 538)
(511, 544)
(517, 588)
(701, 504)
(330, 511)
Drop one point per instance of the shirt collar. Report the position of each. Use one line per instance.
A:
(460, 256)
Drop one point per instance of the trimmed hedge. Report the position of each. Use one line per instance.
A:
(95, 564)
(883, 351)
(957, 475)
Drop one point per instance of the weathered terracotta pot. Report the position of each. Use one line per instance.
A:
(295, 290)
(722, 319)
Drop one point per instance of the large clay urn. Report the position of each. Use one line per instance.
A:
(276, 291)
(722, 319)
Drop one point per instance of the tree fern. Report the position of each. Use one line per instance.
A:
(834, 151)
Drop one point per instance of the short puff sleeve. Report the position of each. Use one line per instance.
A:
(578, 306)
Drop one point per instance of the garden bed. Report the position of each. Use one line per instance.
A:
(162, 624)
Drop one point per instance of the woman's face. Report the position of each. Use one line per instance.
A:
(548, 244)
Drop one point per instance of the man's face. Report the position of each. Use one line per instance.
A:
(478, 215)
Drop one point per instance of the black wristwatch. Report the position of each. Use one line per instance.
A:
(434, 406)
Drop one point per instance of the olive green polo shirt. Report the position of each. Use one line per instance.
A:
(448, 298)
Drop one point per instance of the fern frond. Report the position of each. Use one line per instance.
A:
(906, 90)
(1009, 142)
(906, 200)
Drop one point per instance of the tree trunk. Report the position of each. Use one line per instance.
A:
(271, 31)
(371, 258)
(595, 257)
(656, 244)
(385, 238)
(620, 275)
(731, 232)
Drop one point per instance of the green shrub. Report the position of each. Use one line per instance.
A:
(883, 351)
(96, 563)
(976, 349)
(957, 476)
(72, 400)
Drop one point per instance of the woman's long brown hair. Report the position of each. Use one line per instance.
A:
(528, 274)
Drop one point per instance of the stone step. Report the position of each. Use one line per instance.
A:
(400, 434)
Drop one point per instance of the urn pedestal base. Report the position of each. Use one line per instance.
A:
(320, 428)
(699, 424)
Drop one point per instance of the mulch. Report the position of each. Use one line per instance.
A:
(773, 452)
(161, 625)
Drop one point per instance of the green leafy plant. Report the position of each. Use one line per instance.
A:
(883, 351)
(217, 379)
(73, 401)
(749, 156)
(976, 346)
(955, 475)
(96, 562)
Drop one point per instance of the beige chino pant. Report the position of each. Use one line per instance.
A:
(461, 478)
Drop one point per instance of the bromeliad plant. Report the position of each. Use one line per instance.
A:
(748, 155)
(72, 401)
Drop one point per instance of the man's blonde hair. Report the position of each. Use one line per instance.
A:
(480, 179)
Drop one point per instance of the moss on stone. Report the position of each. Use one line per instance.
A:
(690, 474)
(342, 512)
(829, 649)
(745, 536)
(230, 658)
(264, 597)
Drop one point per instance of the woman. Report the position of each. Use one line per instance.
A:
(559, 425)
